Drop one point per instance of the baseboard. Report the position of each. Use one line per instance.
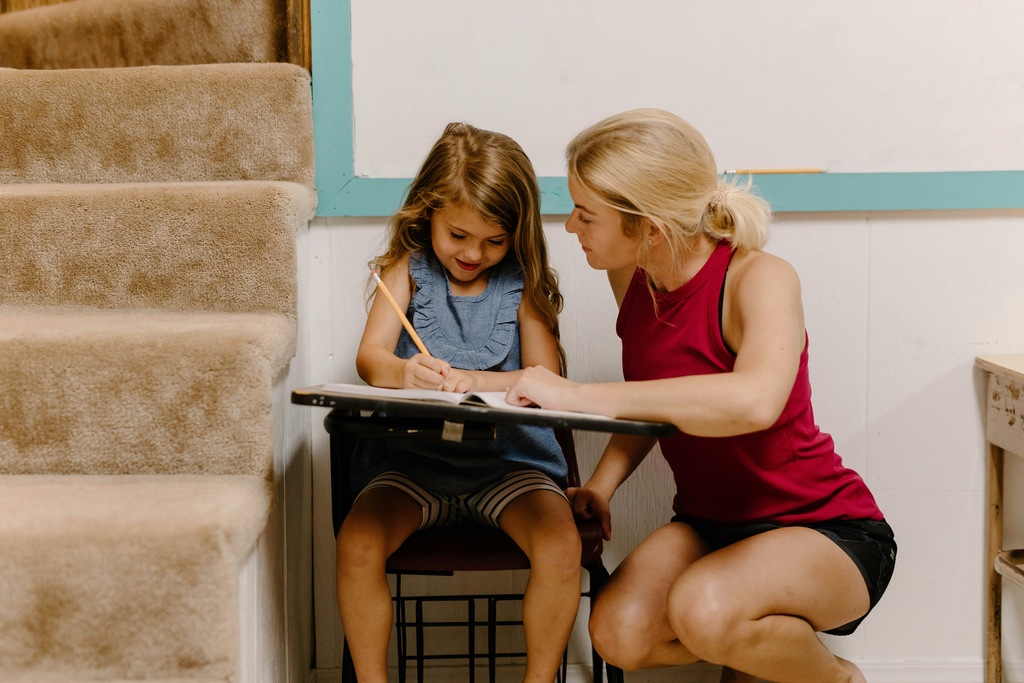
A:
(876, 672)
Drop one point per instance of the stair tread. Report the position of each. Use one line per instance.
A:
(119, 33)
(226, 246)
(135, 505)
(138, 329)
(158, 124)
(91, 391)
(124, 576)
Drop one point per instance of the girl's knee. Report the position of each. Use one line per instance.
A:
(556, 548)
(359, 546)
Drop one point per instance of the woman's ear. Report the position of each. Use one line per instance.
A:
(652, 232)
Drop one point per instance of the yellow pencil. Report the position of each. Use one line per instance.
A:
(401, 314)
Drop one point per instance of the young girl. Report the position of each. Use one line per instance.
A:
(773, 538)
(467, 258)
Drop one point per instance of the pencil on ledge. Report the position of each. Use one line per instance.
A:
(401, 314)
(768, 171)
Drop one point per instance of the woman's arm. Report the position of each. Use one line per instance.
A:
(762, 321)
(376, 361)
(621, 457)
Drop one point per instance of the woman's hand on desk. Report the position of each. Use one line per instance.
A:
(539, 386)
(587, 505)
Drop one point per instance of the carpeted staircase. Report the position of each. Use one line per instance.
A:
(148, 318)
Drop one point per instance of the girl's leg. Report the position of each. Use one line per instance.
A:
(629, 623)
(379, 521)
(541, 523)
(755, 606)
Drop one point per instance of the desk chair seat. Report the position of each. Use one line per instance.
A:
(446, 550)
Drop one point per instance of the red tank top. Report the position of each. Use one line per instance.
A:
(789, 473)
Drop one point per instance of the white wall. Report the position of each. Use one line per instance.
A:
(898, 305)
(876, 85)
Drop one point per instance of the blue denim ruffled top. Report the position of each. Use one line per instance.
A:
(472, 333)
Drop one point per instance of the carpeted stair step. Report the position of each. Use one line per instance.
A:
(156, 124)
(226, 246)
(93, 391)
(124, 577)
(117, 33)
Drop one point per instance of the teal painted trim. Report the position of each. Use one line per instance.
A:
(952, 190)
(341, 193)
(330, 46)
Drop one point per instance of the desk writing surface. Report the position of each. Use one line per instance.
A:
(322, 397)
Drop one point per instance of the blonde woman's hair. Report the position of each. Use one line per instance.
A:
(649, 163)
(489, 173)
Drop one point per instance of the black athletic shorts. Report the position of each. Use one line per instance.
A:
(870, 544)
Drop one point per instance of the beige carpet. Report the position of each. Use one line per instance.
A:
(118, 33)
(148, 305)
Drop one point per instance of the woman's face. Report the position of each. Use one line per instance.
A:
(598, 227)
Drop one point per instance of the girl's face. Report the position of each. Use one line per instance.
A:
(598, 227)
(467, 246)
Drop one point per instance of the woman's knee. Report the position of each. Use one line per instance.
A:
(620, 632)
(705, 617)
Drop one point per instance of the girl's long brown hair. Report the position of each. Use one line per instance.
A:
(490, 173)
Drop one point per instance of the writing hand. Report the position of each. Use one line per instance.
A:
(459, 381)
(588, 505)
(425, 372)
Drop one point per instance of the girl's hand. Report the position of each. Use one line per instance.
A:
(587, 505)
(459, 381)
(539, 386)
(425, 372)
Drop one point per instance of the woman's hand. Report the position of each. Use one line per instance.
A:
(425, 372)
(539, 386)
(587, 504)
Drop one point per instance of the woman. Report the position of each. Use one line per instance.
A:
(772, 539)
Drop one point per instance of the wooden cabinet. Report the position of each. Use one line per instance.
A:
(1004, 429)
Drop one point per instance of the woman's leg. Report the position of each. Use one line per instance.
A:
(541, 523)
(379, 521)
(629, 623)
(755, 606)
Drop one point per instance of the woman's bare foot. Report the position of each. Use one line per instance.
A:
(734, 676)
(856, 676)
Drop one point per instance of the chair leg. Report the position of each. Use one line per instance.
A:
(492, 639)
(598, 576)
(401, 635)
(471, 637)
(348, 670)
(420, 638)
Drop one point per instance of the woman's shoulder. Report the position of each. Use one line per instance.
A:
(756, 268)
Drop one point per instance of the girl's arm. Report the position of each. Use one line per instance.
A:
(537, 347)
(376, 361)
(762, 321)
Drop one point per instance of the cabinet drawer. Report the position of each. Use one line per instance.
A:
(1005, 412)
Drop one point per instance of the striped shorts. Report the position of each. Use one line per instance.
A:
(483, 506)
